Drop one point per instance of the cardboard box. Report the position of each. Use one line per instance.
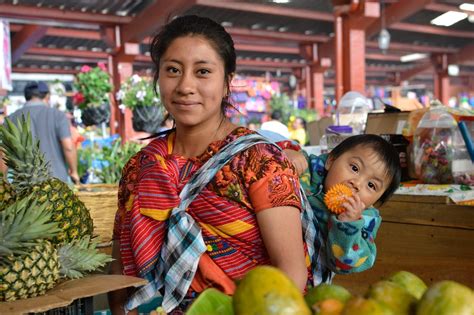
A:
(316, 129)
(65, 293)
(386, 123)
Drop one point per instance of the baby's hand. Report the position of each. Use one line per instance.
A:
(354, 207)
(298, 160)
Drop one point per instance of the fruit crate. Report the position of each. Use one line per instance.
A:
(84, 306)
(101, 200)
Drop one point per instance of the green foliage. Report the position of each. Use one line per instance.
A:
(137, 91)
(112, 159)
(93, 86)
(282, 103)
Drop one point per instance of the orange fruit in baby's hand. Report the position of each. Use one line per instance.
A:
(336, 196)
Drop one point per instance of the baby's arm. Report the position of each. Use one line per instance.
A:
(351, 246)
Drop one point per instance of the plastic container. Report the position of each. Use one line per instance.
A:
(439, 152)
(352, 110)
(333, 136)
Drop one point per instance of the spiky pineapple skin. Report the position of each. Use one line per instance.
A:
(7, 194)
(68, 210)
(31, 274)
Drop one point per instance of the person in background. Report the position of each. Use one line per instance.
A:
(298, 131)
(52, 128)
(240, 214)
(276, 125)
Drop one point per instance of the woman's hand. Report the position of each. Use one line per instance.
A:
(354, 207)
(297, 159)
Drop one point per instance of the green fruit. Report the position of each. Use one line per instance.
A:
(267, 290)
(211, 302)
(361, 306)
(392, 295)
(327, 291)
(328, 307)
(410, 282)
(447, 298)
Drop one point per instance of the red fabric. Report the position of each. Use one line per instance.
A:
(256, 179)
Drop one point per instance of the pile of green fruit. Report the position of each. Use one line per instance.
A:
(266, 290)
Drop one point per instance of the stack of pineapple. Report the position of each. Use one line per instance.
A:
(45, 230)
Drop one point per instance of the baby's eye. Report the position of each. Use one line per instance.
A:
(354, 168)
(372, 186)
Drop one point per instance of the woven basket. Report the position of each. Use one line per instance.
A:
(101, 200)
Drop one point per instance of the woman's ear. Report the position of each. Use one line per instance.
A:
(228, 83)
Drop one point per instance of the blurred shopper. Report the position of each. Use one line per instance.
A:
(276, 125)
(298, 131)
(52, 128)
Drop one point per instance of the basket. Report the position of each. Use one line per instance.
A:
(101, 200)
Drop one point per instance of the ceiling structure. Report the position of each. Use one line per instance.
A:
(53, 36)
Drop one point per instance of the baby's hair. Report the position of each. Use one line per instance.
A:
(385, 151)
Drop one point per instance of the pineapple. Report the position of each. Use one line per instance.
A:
(7, 194)
(29, 263)
(31, 173)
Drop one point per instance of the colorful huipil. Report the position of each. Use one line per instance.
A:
(256, 179)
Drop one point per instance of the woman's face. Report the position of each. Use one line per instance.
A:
(192, 82)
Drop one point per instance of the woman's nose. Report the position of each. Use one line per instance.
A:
(186, 84)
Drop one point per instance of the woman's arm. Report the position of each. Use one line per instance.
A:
(117, 298)
(282, 235)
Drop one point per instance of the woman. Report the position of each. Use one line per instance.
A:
(249, 213)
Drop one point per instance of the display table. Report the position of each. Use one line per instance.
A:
(427, 235)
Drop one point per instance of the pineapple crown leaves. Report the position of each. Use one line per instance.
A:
(22, 154)
(22, 224)
(80, 256)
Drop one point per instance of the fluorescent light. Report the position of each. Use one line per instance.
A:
(412, 57)
(449, 18)
(467, 6)
(281, 1)
(453, 70)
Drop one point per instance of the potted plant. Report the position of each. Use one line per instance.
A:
(92, 86)
(137, 94)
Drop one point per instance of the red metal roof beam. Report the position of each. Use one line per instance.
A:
(153, 17)
(464, 55)
(36, 13)
(268, 9)
(281, 36)
(267, 49)
(395, 13)
(26, 38)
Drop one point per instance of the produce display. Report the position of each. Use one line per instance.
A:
(336, 196)
(30, 174)
(267, 291)
(45, 230)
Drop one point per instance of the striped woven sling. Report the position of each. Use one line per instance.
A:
(184, 244)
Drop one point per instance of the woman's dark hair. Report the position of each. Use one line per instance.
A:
(386, 152)
(192, 25)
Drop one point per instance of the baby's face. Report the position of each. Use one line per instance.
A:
(362, 170)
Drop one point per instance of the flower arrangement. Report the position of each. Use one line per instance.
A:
(137, 91)
(92, 85)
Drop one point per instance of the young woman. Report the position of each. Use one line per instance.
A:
(248, 214)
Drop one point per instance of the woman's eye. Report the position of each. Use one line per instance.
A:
(172, 70)
(203, 71)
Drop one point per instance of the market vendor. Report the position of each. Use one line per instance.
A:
(248, 215)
